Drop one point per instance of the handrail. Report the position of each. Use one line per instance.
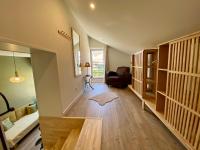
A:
(7, 104)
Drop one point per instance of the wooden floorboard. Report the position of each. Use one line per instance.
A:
(28, 143)
(125, 125)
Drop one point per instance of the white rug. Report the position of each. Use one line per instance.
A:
(104, 98)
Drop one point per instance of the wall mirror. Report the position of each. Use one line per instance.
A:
(76, 52)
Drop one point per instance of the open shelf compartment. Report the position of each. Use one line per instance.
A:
(162, 80)
(163, 56)
(160, 103)
(149, 74)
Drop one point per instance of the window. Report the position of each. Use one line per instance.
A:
(98, 66)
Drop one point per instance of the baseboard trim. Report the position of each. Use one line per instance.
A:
(74, 101)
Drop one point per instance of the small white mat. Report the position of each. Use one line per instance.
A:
(104, 98)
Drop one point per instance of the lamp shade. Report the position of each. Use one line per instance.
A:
(16, 78)
(87, 64)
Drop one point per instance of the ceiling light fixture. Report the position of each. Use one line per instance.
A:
(92, 6)
(16, 78)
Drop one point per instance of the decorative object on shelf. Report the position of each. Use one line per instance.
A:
(64, 34)
(155, 61)
(16, 78)
(87, 65)
(76, 52)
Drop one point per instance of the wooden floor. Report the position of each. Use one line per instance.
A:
(28, 143)
(125, 125)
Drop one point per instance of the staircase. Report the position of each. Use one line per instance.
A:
(85, 137)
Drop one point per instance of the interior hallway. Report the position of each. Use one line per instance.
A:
(125, 125)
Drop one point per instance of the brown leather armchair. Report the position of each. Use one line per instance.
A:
(121, 78)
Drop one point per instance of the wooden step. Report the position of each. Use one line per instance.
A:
(59, 144)
(71, 140)
(90, 136)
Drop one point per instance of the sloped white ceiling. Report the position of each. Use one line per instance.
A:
(131, 25)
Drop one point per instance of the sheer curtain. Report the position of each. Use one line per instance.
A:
(106, 59)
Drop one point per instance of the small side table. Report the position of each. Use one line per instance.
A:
(87, 79)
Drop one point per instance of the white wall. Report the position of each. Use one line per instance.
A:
(35, 23)
(45, 71)
(95, 44)
(117, 59)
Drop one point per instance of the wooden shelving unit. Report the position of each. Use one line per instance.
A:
(149, 74)
(137, 75)
(137, 72)
(163, 53)
(182, 102)
(177, 100)
(144, 68)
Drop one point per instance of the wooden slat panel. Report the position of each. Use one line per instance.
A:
(182, 103)
(191, 122)
(197, 89)
(170, 85)
(197, 138)
(178, 88)
(178, 57)
(184, 56)
(187, 125)
(184, 122)
(175, 56)
(168, 110)
(171, 111)
(181, 89)
(198, 106)
(173, 85)
(188, 90)
(178, 117)
(175, 114)
(181, 120)
(176, 85)
(185, 89)
(172, 57)
(194, 130)
(198, 68)
(188, 56)
(192, 92)
(192, 55)
(195, 62)
(181, 56)
(165, 111)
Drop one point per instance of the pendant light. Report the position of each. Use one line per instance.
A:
(16, 78)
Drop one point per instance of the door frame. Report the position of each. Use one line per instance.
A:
(97, 49)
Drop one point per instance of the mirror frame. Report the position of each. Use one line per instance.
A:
(77, 73)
